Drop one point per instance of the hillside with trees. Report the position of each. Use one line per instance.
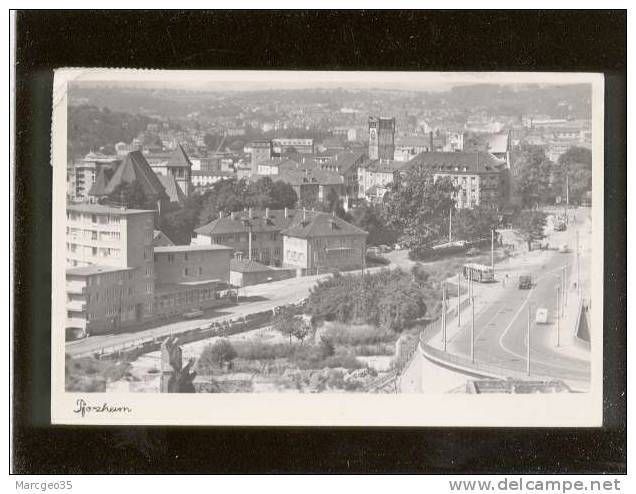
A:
(93, 129)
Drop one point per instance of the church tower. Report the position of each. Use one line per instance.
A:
(381, 138)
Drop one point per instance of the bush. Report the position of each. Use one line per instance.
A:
(346, 361)
(256, 350)
(375, 349)
(216, 354)
(351, 335)
(91, 375)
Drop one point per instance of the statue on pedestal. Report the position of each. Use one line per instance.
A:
(175, 378)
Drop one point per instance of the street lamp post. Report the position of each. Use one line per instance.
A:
(444, 314)
(578, 265)
(492, 252)
(558, 326)
(459, 316)
(472, 332)
(528, 345)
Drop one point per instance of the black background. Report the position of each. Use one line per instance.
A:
(590, 41)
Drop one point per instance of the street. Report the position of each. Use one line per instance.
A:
(502, 313)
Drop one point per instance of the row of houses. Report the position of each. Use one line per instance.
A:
(122, 273)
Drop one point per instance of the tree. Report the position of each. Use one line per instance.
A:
(419, 208)
(371, 219)
(179, 223)
(282, 195)
(531, 226)
(389, 299)
(476, 223)
(576, 165)
(533, 176)
(286, 322)
(217, 354)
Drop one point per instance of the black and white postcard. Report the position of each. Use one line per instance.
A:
(327, 248)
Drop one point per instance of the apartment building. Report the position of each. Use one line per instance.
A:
(481, 178)
(110, 275)
(318, 242)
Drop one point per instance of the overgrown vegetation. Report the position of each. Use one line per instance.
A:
(89, 374)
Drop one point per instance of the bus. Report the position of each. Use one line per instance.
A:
(479, 272)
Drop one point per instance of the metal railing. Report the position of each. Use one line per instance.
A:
(486, 369)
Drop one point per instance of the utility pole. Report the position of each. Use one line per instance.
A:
(528, 348)
(565, 285)
(472, 333)
(450, 225)
(459, 316)
(558, 327)
(492, 252)
(444, 314)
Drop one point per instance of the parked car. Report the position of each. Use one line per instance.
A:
(525, 282)
(373, 251)
(384, 248)
(473, 251)
(192, 314)
(541, 316)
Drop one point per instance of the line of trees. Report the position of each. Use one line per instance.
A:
(388, 299)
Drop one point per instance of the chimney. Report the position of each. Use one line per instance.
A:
(238, 255)
(266, 212)
(286, 213)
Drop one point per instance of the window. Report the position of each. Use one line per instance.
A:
(93, 218)
(200, 270)
(171, 258)
(94, 251)
(185, 256)
(186, 272)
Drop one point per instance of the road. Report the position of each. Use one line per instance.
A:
(256, 298)
(501, 319)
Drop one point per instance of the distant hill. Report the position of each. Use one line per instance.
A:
(90, 128)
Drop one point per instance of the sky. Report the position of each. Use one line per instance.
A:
(264, 80)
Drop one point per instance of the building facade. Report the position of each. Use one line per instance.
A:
(260, 151)
(190, 277)
(253, 233)
(283, 145)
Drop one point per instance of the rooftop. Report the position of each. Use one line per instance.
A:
(101, 209)
(257, 222)
(248, 266)
(94, 269)
(189, 248)
(473, 161)
(319, 224)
